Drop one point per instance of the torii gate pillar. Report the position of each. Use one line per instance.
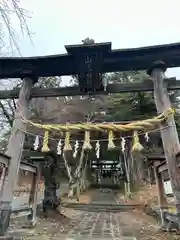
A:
(169, 133)
(14, 150)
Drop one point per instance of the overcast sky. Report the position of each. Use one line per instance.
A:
(126, 23)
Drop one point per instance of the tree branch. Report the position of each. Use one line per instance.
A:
(6, 114)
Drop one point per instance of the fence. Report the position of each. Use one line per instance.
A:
(30, 209)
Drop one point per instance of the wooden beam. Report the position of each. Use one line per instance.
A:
(165, 176)
(162, 167)
(146, 86)
(28, 154)
(168, 132)
(15, 149)
(116, 60)
(5, 160)
(156, 163)
(155, 157)
(23, 166)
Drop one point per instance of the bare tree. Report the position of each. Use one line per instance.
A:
(69, 109)
(8, 41)
(8, 9)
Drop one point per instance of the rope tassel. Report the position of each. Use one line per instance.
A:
(87, 144)
(45, 147)
(136, 144)
(67, 145)
(111, 144)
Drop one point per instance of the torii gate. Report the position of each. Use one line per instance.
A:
(89, 62)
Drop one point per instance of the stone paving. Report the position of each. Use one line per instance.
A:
(86, 226)
(96, 226)
(89, 225)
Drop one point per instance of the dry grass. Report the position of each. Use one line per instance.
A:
(148, 195)
(145, 195)
(147, 225)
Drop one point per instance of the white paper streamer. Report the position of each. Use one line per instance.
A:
(146, 137)
(76, 147)
(97, 149)
(36, 143)
(123, 143)
(59, 147)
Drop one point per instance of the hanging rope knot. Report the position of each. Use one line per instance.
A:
(111, 144)
(67, 145)
(136, 144)
(45, 147)
(172, 111)
(87, 144)
(169, 111)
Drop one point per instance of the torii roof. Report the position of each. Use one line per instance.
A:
(113, 60)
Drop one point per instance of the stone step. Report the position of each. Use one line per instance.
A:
(100, 238)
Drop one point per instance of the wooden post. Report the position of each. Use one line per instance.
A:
(161, 193)
(2, 179)
(149, 177)
(169, 132)
(34, 196)
(97, 170)
(127, 183)
(51, 200)
(15, 148)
